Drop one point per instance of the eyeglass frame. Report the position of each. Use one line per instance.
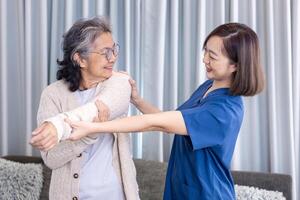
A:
(108, 51)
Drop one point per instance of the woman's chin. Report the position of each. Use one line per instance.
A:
(209, 75)
(107, 73)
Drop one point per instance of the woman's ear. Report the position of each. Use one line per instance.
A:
(80, 61)
(232, 67)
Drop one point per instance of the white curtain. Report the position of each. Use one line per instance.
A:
(161, 47)
(23, 71)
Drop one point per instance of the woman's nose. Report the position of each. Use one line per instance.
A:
(113, 58)
(205, 59)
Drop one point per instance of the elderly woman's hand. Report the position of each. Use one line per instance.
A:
(103, 112)
(44, 137)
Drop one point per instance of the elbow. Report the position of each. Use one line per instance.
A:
(120, 112)
(50, 165)
(50, 162)
(148, 124)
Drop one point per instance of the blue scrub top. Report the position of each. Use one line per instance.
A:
(199, 166)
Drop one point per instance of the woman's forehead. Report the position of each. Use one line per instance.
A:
(215, 44)
(105, 40)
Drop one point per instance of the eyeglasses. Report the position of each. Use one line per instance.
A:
(108, 52)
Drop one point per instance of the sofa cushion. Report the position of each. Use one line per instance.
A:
(254, 193)
(20, 181)
(268, 181)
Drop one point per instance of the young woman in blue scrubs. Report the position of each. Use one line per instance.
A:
(208, 123)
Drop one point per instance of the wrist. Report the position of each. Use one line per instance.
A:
(137, 101)
(57, 125)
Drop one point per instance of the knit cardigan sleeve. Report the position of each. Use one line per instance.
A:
(114, 93)
(64, 151)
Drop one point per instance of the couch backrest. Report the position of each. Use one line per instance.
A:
(268, 181)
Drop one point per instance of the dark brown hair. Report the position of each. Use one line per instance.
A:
(241, 46)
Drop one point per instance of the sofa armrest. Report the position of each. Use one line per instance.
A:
(268, 181)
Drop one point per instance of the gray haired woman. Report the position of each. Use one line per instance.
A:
(98, 166)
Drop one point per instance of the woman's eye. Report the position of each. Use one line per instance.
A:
(212, 58)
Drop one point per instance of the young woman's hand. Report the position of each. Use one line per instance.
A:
(135, 96)
(80, 129)
(44, 137)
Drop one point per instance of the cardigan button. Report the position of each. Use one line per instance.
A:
(79, 155)
(74, 198)
(75, 175)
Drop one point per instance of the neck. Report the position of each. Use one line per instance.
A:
(88, 82)
(220, 84)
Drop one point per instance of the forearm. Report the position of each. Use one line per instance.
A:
(85, 113)
(115, 95)
(63, 153)
(145, 107)
(170, 122)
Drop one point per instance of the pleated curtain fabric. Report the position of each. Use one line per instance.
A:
(161, 47)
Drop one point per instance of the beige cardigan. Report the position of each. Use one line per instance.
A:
(65, 158)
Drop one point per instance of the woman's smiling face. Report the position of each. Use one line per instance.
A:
(217, 64)
(97, 65)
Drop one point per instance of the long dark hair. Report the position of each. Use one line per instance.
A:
(78, 39)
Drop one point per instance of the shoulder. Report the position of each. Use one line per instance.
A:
(234, 102)
(226, 107)
(118, 78)
(119, 75)
(55, 88)
(225, 101)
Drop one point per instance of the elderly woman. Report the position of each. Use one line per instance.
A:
(95, 167)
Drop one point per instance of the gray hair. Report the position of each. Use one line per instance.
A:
(83, 33)
(79, 39)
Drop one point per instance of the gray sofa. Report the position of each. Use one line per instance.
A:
(151, 178)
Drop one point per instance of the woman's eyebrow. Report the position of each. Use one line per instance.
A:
(210, 51)
(109, 47)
